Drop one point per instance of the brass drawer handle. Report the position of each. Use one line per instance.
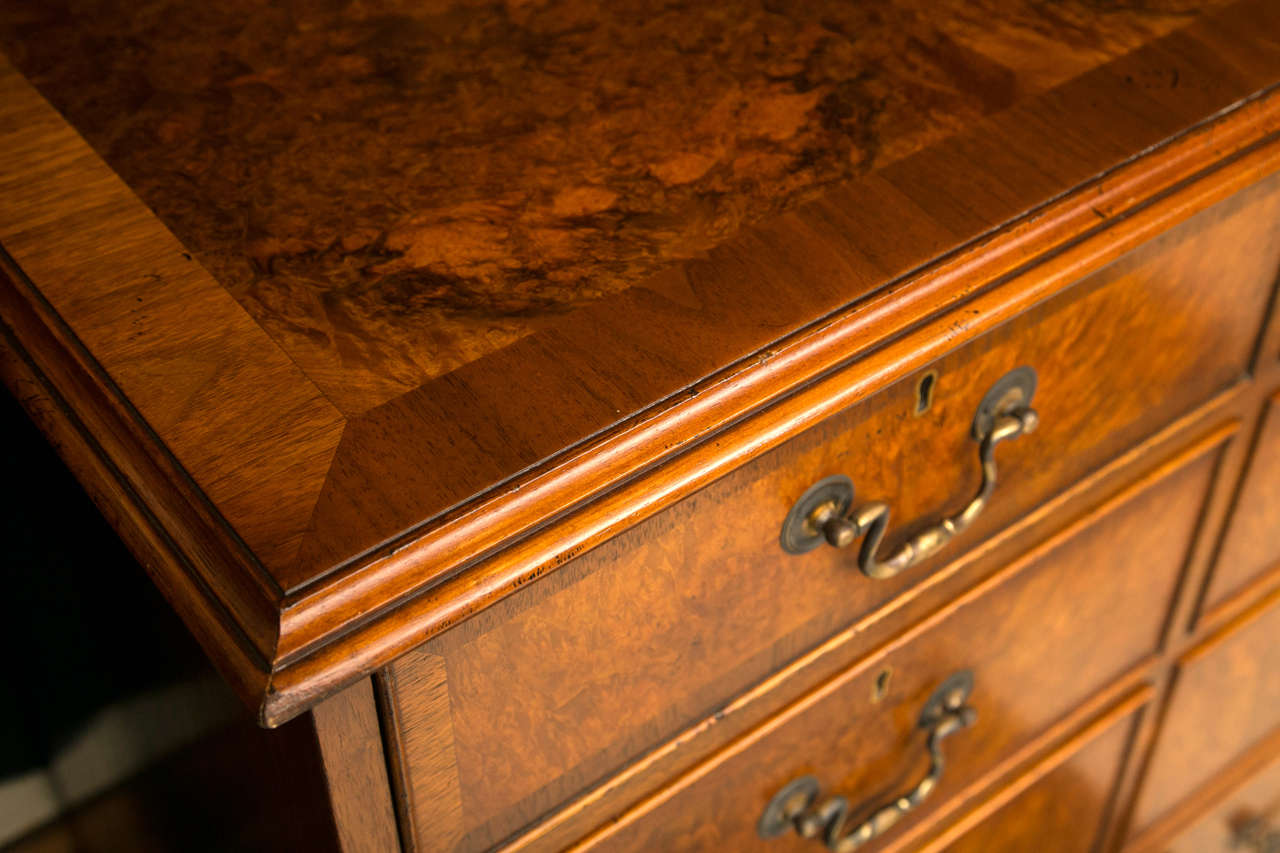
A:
(823, 512)
(793, 806)
(1255, 835)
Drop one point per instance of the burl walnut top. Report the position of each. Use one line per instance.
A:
(395, 189)
(385, 291)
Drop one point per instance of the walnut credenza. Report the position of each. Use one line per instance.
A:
(721, 426)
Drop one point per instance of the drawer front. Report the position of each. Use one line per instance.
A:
(1019, 631)
(1252, 546)
(1039, 638)
(1067, 804)
(1225, 700)
(1251, 814)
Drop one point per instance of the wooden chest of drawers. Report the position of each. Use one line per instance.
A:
(685, 426)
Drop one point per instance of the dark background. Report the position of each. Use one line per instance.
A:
(82, 625)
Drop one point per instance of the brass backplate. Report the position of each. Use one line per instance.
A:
(799, 534)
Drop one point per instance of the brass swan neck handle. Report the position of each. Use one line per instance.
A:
(794, 805)
(824, 513)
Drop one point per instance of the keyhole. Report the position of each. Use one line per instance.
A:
(881, 688)
(924, 392)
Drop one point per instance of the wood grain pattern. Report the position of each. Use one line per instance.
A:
(1188, 633)
(1211, 793)
(329, 563)
(652, 342)
(1250, 547)
(394, 190)
(349, 738)
(1225, 701)
(418, 710)
(520, 753)
(1167, 336)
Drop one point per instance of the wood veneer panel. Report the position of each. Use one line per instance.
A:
(394, 192)
(1226, 699)
(343, 511)
(1251, 546)
(1041, 529)
(420, 725)
(349, 741)
(653, 340)
(524, 742)
(1158, 340)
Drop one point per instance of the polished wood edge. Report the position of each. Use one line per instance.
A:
(1211, 423)
(350, 742)
(234, 624)
(1222, 785)
(322, 646)
(656, 761)
(989, 805)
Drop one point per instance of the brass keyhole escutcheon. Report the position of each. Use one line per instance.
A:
(924, 392)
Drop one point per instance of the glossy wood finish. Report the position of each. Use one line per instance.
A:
(393, 192)
(309, 542)
(1216, 831)
(418, 719)
(1226, 699)
(1251, 546)
(1029, 674)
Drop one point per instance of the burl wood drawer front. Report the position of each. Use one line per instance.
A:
(1252, 545)
(477, 762)
(1039, 637)
(1250, 814)
(1225, 700)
